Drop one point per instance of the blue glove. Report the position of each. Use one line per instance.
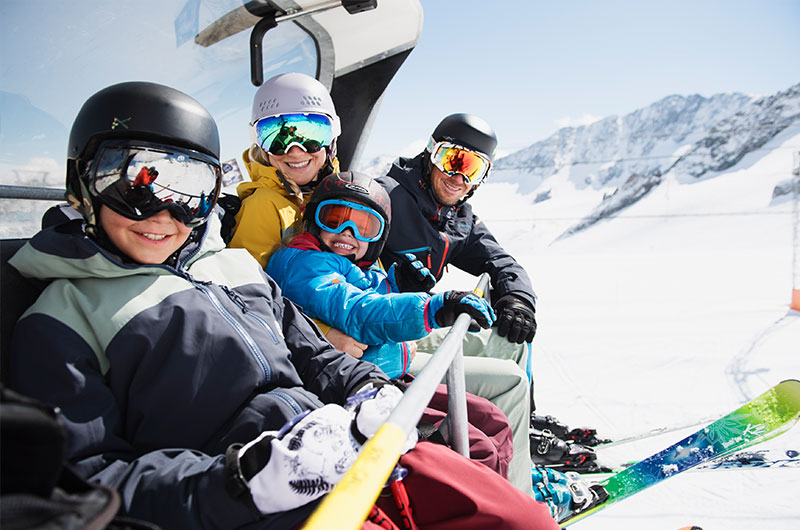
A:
(409, 275)
(444, 308)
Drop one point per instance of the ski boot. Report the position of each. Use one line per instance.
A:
(566, 494)
(581, 435)
(551, 451)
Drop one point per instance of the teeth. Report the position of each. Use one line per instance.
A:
(154, 237)
(299, 164)
(344, 246)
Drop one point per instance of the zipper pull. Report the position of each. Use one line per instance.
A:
(235, 298)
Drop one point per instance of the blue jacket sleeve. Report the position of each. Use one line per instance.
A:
(330, 288)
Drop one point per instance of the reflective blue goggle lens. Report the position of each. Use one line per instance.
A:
(335, 215)
(277, 134)
(139, 180)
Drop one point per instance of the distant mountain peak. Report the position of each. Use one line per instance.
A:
(723, 145)
(607, 152)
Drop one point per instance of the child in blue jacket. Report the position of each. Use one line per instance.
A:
(331, 271)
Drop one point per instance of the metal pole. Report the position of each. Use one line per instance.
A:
(457, 403)
(31, 193)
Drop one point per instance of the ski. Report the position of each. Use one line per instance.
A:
(764, 417)
(755, 460)
(762, 459)
(655, 432)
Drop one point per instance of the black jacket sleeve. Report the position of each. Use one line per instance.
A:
(482, 253)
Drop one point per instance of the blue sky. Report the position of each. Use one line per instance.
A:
(530, 67)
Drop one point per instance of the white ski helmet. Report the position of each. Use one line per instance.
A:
(294, 93)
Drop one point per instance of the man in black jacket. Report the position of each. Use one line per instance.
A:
(436, 227)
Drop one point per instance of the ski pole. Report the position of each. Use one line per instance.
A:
(379, 517)
(401, 497)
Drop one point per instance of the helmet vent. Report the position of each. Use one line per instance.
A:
(356, 187)
(313, 101)
(268, 104)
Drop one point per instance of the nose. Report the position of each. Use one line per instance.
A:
(296, 150)
(162, 216)
(458, 178)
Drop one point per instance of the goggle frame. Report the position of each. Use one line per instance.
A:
(144, 179)
(349, 223)
(434, 148)
(313, 122)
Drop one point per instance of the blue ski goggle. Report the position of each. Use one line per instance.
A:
(334, 215)
(277, 134)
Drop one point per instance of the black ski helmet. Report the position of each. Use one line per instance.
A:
(135, 110)
(467, 131)
(359, 187)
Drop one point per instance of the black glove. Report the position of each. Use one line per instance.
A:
(516, 319)
(444, 308)
(410, 275)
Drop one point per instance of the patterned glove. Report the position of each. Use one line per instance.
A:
(444, 308)
(409, 275)
(516, 319)
(301, 462)
(372, 406)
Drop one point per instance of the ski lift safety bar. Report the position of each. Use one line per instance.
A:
(31, 193)
(348, 504)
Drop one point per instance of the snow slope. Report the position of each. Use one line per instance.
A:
(675, 310)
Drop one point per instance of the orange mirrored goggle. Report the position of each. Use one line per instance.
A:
(454, 159)
(334, 215)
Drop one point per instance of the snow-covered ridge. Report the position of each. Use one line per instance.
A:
(606, 153)
(724, 145)
(747, 130)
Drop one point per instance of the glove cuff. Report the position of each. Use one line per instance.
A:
(235, 483)
(427, 317)
(512, 298)
(255, 456)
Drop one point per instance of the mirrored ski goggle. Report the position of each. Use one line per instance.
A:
(139, 180)
(334, 215)
(310, 132)
(453, 159)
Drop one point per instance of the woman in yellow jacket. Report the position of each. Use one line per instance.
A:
(294, 126)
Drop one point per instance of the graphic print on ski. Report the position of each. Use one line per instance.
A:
(764, 417)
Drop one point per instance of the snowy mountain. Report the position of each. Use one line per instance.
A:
(626, 157)
(605, 153)
(377, 166)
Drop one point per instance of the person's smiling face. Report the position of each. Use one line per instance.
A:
(297, 165)
(148, 242)
(449, 189)
(344, 243)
